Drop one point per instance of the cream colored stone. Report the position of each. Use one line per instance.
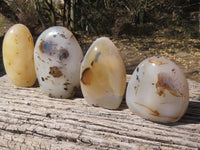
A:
(158, 90)
(103, 75)
(58, 58)
(18, 59)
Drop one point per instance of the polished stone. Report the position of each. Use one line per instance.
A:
(58, 58)
(158, 90)
(103, 75)
(18, 47)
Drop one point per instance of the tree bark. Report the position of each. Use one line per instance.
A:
(52, 11)
(38, 9)
(31, 120)
(66, 13)
(72, 14)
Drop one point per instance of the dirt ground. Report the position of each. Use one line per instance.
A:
(184, 52)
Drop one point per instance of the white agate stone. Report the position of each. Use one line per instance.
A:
(158, 90)
(103, 75)
(57, 57)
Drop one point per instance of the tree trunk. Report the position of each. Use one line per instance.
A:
(52, 11)
(38, 9)
(31, 120)
(72, 14)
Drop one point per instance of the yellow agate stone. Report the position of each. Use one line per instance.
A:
(18, 47)
(103, 75)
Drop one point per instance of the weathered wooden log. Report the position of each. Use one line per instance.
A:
(31, 120)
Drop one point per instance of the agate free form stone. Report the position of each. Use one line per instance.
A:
(158, 90)
(103, 75)
(18, 59)
(58, 58)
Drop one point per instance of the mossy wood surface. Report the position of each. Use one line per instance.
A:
(31, 120)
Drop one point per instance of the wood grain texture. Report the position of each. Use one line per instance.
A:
(31, 120)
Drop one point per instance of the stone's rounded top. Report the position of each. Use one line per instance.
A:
(53, 31)
(103, 44)
(101, 39)
(158, 90)
(17, 27)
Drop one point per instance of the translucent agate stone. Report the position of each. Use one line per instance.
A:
(57, 59)
(103, 75)
(18, 47)
(158, 90)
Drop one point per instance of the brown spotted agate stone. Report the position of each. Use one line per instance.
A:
(103, 75)
(158, 90)
(57, 57)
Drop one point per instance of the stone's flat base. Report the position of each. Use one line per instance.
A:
(31, 120)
